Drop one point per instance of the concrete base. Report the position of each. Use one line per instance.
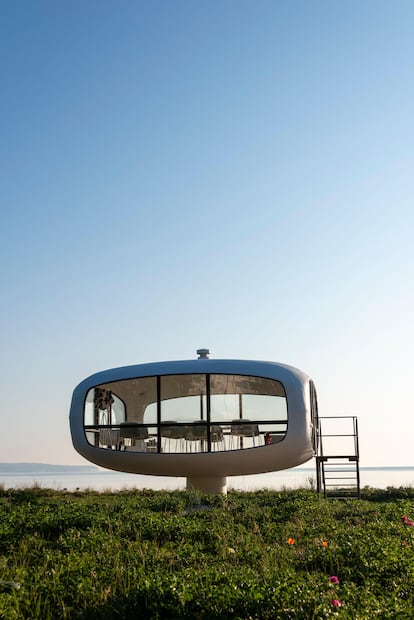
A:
(210, 486)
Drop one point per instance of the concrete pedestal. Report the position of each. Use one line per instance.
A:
(210, 486)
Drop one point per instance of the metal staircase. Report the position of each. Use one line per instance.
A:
(337, 460)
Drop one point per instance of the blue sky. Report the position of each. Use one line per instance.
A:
(236, 175)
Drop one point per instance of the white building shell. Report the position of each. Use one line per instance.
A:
(204, 419)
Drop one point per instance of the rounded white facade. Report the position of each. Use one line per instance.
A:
(202, 419)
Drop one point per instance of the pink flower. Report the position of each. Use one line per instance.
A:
(336, 602)
(407, 521)
(334, 579)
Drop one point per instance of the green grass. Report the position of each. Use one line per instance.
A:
(151, 554)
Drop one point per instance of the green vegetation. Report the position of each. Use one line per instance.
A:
(151, 554)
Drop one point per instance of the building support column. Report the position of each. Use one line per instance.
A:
(211, 486)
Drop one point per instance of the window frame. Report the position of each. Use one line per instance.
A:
(209, 423)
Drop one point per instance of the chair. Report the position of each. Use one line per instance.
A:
(197, 433)
(243, 428)
(133, 435)
(217, 436)
(109, 438)
(171, 430)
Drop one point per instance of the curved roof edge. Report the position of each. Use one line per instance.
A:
(230, 366)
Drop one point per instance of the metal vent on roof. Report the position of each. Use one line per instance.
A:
(203, 354)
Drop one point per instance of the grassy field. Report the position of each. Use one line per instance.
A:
(152, 554)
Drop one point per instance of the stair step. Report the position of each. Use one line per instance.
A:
(338, 474)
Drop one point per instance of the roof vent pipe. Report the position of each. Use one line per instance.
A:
(203, 354)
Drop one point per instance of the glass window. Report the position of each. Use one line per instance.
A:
(137, 394)
(251, 410)
(195, 413)
(314, 415)
(102, 406)
(89, 410)
(183, 398)
(114, 414)
(184, 413)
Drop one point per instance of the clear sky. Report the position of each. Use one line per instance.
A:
(235, 175)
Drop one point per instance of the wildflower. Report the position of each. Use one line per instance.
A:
(324, 543)
(291, 541)
(334, 579)
(336, 602)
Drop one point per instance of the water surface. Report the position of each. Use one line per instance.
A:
(102, 480)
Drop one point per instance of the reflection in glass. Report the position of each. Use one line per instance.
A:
(114, 414)
(183, 398)
(186, 413)
(254, 408)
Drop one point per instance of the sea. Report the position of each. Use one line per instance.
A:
(94, 478)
